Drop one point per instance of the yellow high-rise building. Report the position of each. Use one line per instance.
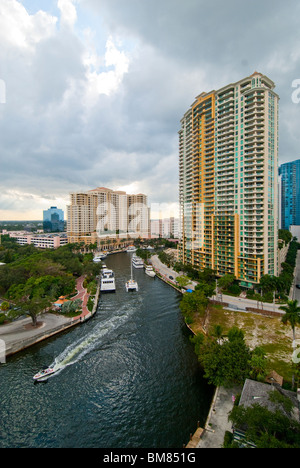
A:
(228, 165)
(104, 213)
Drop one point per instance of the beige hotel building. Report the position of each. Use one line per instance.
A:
(103, 213)
(228, 160)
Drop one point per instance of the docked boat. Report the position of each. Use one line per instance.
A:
(99, 257)
(107, 282)
(137, 262)
(44, 374)
(131, 249)
(131, 285)
(150, 271)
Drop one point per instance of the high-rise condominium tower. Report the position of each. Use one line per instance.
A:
(102, 213)
(228, 161)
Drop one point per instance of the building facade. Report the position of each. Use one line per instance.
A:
(50, 241)
(53, 220)
(289, 194)
(228, 166)
(102, 213)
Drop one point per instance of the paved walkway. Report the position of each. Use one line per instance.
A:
(237, 303)
(84, 296)
(217, 422)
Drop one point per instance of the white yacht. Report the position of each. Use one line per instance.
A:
(108, 282)
(131, 249)
(131, 285)
(137, 262)
(150, 271)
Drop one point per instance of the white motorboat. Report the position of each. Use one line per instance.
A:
(44, 374)
(131, 285)
(131, 249)
(137, 262)
(108, 283)
(150, 271)
(99, 257)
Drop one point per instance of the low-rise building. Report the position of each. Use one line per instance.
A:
(50, 241)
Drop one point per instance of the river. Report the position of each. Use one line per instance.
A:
(128, 378)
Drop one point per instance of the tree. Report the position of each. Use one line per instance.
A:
(33, 307)
(183, 281)
(71, 307)
(5, 306)
(266, 429)
(225, 363)
(193, 303)
(225, 281)
(292, 316)
(258, 364)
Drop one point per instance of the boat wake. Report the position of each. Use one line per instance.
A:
(77, 350)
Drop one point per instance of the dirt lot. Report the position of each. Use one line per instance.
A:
(267, 332)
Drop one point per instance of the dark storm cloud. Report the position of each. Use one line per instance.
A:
(60, 133)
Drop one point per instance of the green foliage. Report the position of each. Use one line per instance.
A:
(266, 429)
(229, 362)
(193, 303)
(284, 235)
(71, 307)
(183, 281)
(35, 277)
(2, 318)
(225, 363)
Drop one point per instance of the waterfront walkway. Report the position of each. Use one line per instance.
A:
(217, 422)
(84, 296)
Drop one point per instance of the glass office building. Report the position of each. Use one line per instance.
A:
(53, 220)
(290, 194)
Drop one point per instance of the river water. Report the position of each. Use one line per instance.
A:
(128, 378)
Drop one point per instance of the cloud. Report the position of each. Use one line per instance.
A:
(68, 13)
(95, 90)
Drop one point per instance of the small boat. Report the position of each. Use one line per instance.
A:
(44, 374)
(137, 262)
(150, 271)
(131, 249)
(99, 257)
(131, 285)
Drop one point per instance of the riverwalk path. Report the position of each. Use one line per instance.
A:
(84, 296)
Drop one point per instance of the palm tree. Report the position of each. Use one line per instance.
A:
(292, 316)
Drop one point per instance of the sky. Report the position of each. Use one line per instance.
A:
(92, 91)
